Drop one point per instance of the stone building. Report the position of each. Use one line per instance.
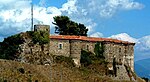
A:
(42, 28)
(67, 45)
(71, 46)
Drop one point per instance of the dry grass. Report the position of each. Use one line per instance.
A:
(13, 71)
(21, 72)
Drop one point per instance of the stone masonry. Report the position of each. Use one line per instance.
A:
(71, 46)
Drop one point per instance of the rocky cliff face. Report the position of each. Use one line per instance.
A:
(34, 53)
(26, 47)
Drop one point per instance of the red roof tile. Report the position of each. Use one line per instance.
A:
(93, 39)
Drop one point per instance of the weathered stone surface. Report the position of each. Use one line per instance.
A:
(123, 53)
(45, 28)
(54, 47)
(122, 74)
(35, 53)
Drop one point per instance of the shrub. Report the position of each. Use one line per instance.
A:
(5, 80)
(40, 37)
(9, 48)
(99, 49)
(146, 79)
(65, 60)
(21, 70)
(85, 58)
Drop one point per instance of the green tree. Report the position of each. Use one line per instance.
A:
(9, 48)
(64, 26)
(85, 58)
(99, 49)
(40, 37)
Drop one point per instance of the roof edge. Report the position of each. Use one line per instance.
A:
(84, 38)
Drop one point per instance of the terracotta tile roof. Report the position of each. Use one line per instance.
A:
(92, 39)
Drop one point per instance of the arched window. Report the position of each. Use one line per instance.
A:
(119, 50)
(60, 46)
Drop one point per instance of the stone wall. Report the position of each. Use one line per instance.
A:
(45, 28)
(129, 57)
(55, 49)
(87, 45)
(114, 50)
(75, 51)
(124, 54)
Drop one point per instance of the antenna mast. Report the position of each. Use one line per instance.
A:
(31, 16)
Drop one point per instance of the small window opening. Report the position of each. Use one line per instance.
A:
(119, 50)
(60, 45)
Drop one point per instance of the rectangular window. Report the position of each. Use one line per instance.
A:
(119, 50)
(60, 45)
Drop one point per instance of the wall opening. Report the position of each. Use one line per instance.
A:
(60, 46)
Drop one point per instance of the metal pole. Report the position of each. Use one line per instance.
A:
(31, 16)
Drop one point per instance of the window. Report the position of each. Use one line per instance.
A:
(125, 50)
(119, 50)
(60, 45)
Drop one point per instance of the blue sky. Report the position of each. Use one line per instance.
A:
(120, 19)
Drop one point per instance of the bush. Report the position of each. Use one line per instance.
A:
(146, 79)
(21, 70)
(40, 37)
(67, 61)
(85, 58)
(5, 81)
(99, 49)
(9, 48)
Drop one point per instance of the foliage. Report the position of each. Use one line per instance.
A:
(88, 58)
(9, 48)
(65, 60)
(99, 49)
(85, 58)
(146, 79)
(21, 70)
(64, 26)
(40, 37)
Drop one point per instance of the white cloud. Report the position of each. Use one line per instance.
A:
(124, 37)
(16, 17)
(1, 38)
(143, 44)
(69, 7)
(15, 14)
(106, 8)
(14, 20)
(96, 34)
(112, 6)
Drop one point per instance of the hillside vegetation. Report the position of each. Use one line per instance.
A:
(10, 47)
(62, 70)
(59, 69)
(12, 71)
